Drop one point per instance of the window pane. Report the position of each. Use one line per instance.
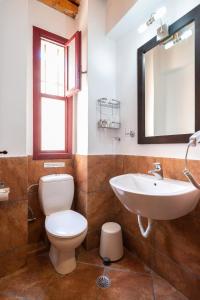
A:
(52, 124)
(52, 68)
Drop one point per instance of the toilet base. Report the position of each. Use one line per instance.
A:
(64, 262)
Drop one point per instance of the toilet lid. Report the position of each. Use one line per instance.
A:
(65, 224)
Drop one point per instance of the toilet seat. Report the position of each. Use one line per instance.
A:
(65, 224)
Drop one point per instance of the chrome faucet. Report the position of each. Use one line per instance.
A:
(157, 171)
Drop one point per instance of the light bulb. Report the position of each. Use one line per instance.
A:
(169, 45)
(142, 28)
(160, 13)
(186, 34)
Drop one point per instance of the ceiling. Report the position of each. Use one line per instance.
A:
(68, 7)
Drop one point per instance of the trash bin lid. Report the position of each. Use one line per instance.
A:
(111, 227)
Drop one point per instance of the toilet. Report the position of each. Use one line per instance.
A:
(66, 229)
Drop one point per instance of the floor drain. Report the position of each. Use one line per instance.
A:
(103, 282)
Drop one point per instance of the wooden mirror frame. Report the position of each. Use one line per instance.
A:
(192, 16)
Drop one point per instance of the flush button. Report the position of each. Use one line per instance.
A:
(54, 164)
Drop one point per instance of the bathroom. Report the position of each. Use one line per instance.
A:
(103, 132)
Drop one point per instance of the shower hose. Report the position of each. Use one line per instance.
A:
(187, 172)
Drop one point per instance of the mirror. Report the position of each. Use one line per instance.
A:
(167, 99)
(169, 85)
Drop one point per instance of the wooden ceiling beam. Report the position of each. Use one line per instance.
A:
(64, 6)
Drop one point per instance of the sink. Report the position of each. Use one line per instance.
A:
(155, 199)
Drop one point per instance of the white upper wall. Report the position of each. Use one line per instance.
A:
(81, 100)
(16, 20)
(115, 10)
(13, 58)
(101, 75)
(45, 17)
(128, 41)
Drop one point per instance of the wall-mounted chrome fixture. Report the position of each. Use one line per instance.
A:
(108, 113)
(177, 38)
(130, 132)
(153, 18)
(162, 32)
(58, 164)
(193, 141)
(116, 138)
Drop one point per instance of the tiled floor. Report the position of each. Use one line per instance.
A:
(131, 279)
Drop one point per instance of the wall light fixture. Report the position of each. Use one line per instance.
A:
(154, 17)
(176, 38)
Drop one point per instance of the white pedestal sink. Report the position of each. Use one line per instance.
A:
(155, 199)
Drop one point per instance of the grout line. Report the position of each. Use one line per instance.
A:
(116, 269)
(153, 288)
(90, 264)
(184, 268)
(162, 278)
(128, 271)
(140, 260)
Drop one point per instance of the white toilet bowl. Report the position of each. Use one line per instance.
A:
(66, 231)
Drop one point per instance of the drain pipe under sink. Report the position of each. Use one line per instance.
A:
(144, 233)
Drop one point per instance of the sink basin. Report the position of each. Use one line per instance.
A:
(146, 196)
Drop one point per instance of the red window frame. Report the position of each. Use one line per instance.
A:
(39, 34)
(77, 38)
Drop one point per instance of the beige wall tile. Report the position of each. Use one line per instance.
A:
(14, 173)
(13, 225)
(81, 172)
(36, 169)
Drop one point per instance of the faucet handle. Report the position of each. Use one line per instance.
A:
(157, 165)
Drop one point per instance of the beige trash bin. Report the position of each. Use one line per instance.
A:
(111, 244)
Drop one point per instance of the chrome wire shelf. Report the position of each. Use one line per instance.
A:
(109, 113)
(109, 103)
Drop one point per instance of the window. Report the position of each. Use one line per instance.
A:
(56, 77)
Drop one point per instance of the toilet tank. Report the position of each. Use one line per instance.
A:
(56, 192)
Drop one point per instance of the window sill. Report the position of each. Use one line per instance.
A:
(44, 156)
